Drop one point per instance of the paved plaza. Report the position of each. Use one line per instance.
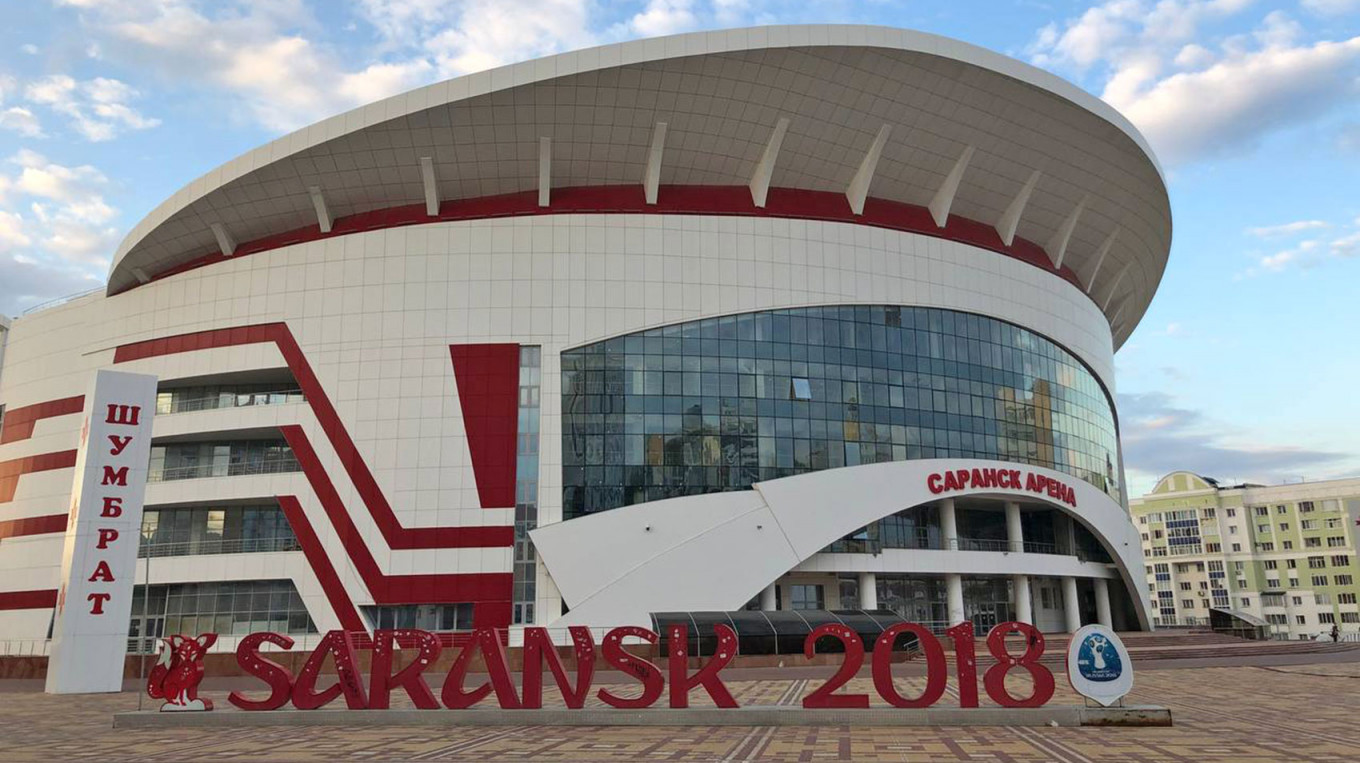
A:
(1247, 713)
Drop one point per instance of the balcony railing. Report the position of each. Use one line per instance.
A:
(229, 400)
(212, 547)
(243, 468)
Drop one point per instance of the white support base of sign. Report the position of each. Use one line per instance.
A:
(770, 715)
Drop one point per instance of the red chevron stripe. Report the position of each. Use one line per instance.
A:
(44, 525)
(488, 393)
(394, 589)
(28, 599)
(12, 470)
(396, 536)
(321, 565)
(19, 421)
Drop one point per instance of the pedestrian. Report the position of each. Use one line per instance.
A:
(1336, 633)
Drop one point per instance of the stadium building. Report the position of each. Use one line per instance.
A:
(808, 317)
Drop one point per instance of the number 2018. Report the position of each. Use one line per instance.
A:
(965, 660)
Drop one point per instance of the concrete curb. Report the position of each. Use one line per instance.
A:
(766, 715)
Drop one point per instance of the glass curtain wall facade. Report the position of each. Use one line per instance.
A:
(718, 404)
(195, 460)
(526, 482)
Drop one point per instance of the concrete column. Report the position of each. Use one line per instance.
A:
(1103, 603)
(953, 588)
(1020, 587)
(868, 590)
(1070, 606)
(949, 525)
(1015, 532)
(768, 599)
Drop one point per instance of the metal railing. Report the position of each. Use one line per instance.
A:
(231, 400)
(983, 544)
(61, 300)
(213, 547)
(24, 647)
(242, 468)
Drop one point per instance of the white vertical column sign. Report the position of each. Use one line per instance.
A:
(98, 564)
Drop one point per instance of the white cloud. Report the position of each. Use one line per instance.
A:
(29, 48)
(662, 17)
(68, 219)
(22, 121)
(1331, 7)
(98, 108)
(1194, 99)
(1287, 228)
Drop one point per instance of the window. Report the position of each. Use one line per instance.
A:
(1263, 529)
(1188, 603)
(1232, 529)
(525, 579)
(806, 596)
(1246, 601)
(1213, 548)
(229, 608)
(1277, 619)
(1292, 563)
(1267, 546)
(1322, 598)
(1185, 586)
(1344, 580)
(1340, 560)
(215, 529)
(1143, 521)
(1288, 545)
(1281, 509)
(1209, 513)
(1241, 582)
(1308, 524)
(426, 617)
(1319, 580)
(1272, 600)
(1326, 618)
(1350, 617)
(1145, 537)
(1262, 511)
(1300, 620)
(1232, 512)
(802, 389)
(1272, 564)
(1239, 566)
(1305, 507)
(1336, 541)
(1298, 600)
(1332, 523)
(1312, 543)
(1284, 527)
(1316, 563)
(1273, 582)
(1237, 547)
(1345, 598)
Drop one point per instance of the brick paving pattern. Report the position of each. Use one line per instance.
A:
(1290, 713)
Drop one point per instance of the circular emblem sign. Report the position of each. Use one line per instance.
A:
(1098, 665)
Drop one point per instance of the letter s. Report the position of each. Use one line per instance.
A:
(277, 677)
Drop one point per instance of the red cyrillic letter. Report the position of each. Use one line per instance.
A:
(98, 599)
(123, 414)
(106, 536)
(102, 572)
(115, 477)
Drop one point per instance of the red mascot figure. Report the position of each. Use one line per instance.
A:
(178, 671)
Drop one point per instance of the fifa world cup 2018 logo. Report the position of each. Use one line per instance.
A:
(1098, 660)
(1098, 644)
(178, 671)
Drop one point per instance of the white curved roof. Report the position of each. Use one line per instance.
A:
(721, 94)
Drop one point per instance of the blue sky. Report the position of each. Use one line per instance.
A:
(1245, 367)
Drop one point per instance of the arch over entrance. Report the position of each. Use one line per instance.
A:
(718, 551)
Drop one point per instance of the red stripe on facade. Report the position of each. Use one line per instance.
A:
(12, 470)
(19, 421)
(44, 525)
(28, 599)
(790, 203)
(391, 589)
(488, 392)
(396, 536)
(320, 564)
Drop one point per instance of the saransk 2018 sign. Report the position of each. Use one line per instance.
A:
(180, 669)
